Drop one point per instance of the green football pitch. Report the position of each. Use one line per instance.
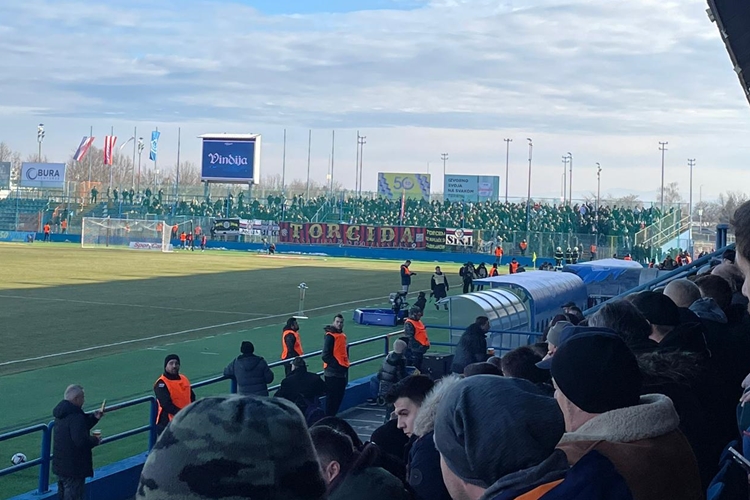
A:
(106, 319)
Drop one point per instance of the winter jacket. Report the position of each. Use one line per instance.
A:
(411, 341)
(592, 478)
(391, 372)
(680, 376)
(482, 272)
(439, 286)
(301, 387)
(334, 369)
(423, 464)
(467, 273)
(471, 348)
(645, 446)
(405, 276)
(366, 481)
(251, 373)
(72, 442)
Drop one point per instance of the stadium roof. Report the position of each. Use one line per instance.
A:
(732, 17)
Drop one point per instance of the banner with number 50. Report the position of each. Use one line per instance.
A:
(414, 186)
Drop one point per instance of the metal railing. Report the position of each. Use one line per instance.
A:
(45, 459)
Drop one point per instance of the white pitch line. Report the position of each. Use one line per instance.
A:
(211, 353)
(173, 334)
(143, 306)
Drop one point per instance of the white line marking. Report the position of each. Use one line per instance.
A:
(211, 353)
(173, 334)
(155, 349)
(143, 306)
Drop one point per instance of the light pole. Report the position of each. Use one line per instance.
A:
(662, 148)
(309, 148)
(140, 151)
(40, 139)
(691, 164)
(507, 162)
(444, 157)
(565, 161)
(361, 141)
(598, 188)
(570, 179)
(528, 195)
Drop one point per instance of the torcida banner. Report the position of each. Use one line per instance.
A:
(352, 235)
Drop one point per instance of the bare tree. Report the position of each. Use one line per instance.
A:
(671, 193)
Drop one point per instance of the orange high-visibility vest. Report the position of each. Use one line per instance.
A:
(513, 267)
(593, 249)
(405, 270)
(339, 349)
(179, 391)
(493, 272)
(297, 344)
(498, 251)
(46, 228)
(420, 332)
(523, 245)
(64, 224)
(627, 258)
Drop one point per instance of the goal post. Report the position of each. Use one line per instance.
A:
(137, 234)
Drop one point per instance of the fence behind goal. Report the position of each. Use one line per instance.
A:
(130, 233)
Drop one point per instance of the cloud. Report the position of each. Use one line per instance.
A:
(565, 70)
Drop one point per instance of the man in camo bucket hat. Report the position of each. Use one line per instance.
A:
(234, 447)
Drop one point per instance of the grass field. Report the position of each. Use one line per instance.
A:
(106, 319)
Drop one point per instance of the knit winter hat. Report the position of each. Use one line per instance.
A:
(597, 372)
(399, 346)
(231, 448)
(170, 357)
(524, 425)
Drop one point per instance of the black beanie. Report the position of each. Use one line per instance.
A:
(247, 347)
(170, 357)
(597, 372)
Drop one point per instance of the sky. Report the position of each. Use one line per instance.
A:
(605, 81)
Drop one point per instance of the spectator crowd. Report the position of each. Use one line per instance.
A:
(638, 400)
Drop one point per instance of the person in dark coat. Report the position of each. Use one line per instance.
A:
(472, 347)
(406, 275)
(467, 275)
(250, 371)
(301, 387)
(439, 286)
(72, 461)
(481, 273)
(393, 369)
(421, 301)
(350, 473)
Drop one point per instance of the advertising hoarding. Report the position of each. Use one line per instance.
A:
(43, 175)
(231, 158)
(413, 186)
(472, 188)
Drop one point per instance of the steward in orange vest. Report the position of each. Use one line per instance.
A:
(523, 246)
(494, 271)
(335, 364)
(513, 266)
(593, 252)
(172, 390)
(498, 253)
(291, 345)
(416, 333)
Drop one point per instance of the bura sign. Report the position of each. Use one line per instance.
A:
(45, 175)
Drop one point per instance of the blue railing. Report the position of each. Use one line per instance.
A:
(45, 459)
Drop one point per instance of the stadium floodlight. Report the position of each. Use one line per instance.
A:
(130, 233)
(302, 291)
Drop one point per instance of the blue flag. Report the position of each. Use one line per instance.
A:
(154, 145)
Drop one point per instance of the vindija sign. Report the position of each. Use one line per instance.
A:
(218, 159)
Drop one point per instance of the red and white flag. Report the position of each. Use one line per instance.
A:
(109, 145)
(83, 147)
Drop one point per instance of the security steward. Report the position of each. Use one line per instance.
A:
(335, 365)
(291, 344)
(406, 275)
(592, 249)
(559, 255)
(568, 256)
(418, 342)
(499, 253)
(172, 391)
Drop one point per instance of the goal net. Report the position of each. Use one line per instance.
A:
(131, 233)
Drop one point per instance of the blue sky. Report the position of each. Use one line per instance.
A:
(604, 80)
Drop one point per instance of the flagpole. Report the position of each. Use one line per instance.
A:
(177, 177)
(91, 133)
(135, 136)
(112, 161)
(333, 154)
(156, 169)
(283, 170)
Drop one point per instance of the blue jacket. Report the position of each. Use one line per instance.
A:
(423, 470)
(593, 477)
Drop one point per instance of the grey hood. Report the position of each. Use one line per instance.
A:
(653, 417)
(425, 421)
(707, 309)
